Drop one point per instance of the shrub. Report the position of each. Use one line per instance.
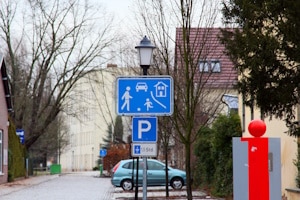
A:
(204, 172)
(214, 155)
(115, 153)
(16, 154)
(224, 128)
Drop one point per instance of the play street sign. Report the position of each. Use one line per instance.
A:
(145, 95)
(144, 129)
(144, 149)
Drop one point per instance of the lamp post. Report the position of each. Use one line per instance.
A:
(145, 50)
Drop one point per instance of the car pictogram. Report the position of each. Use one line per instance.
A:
(141, 86)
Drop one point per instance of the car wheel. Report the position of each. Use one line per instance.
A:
(127, 184)
(177, 183)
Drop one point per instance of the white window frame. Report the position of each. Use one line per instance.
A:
(203, 66)
(210, 66)
(215, 66)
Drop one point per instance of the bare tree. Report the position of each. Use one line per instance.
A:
(49, 47)
(51, 144)
(102, 87)
(198, 92)
(63, 137)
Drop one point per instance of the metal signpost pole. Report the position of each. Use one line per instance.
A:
(145, 72)
(145, 178)
(145, 52)
(145, 98)
(137, 179)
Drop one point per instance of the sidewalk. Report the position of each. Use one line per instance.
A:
(159, 193)
(20, 184)
(156, 193)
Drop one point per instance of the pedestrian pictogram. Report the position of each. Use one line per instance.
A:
(137, 149)
(126, 99)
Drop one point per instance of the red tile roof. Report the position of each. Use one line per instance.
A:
(207, 46)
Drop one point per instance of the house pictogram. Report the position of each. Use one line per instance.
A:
(160, 89)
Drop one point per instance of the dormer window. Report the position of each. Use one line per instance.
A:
(203, 66)
(215, 66)
(210, 66)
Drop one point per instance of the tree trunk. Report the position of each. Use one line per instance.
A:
(188, 171)
(166, 170)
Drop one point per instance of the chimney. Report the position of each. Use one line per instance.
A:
(112, 65)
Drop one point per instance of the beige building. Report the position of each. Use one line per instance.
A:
(89, 110)
(222, 74)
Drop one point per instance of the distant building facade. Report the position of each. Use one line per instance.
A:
(88, 111)
(215, 73)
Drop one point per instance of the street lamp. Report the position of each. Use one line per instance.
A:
(145, 50)
(145, 54)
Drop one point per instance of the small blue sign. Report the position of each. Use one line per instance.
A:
(21, 134)
(137, 149)
(144, 129)
(103, 152)
(145, 95)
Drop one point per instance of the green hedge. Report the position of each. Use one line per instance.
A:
(16, 154)
(214, 155)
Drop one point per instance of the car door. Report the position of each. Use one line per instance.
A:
(133, 166)
(155, 173)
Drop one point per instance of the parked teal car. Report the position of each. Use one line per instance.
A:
(123, 174)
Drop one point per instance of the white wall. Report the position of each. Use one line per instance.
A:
(90, 108)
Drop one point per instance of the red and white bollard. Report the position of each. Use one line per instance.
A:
(254, 165)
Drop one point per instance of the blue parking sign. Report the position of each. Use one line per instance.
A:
(144, 129)
(145, 95)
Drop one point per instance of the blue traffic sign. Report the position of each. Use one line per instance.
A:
(144, 129)
(103, 152)
(137, 149)
(145, 95)
(20, 133)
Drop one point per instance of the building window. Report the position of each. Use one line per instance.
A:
(1, 151)
(210, 66)
(203, 66)
(215, 66)
(232, 102)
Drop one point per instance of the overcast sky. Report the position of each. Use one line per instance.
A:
(121, 9)
(125, 20)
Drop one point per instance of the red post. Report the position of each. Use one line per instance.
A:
(258, 172)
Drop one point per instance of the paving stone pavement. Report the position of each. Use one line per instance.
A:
(114, 193)
(159, 193)
(22, 183)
